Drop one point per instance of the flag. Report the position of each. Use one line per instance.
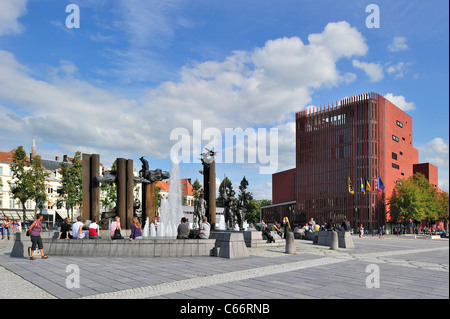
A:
(367, 184)
(362, 186)
(380, 186)
(350, 186)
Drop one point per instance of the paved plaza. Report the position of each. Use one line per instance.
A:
(377, 268)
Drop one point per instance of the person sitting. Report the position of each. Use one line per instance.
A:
(276, 228)
(77, 229)
(65, 229)
(204, 229)
(136, 231)
(115, 230)
(94, 229)
(183, 229)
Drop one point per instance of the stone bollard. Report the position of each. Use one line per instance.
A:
(290, 243)
(334, 241)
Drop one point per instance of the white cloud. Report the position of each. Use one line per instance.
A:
(373, 70)
(398, 44)
(436, 152)
(10, 12)
(399, 70)
(400, 102)
(259, 88)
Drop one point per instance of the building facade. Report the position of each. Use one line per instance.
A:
(343, 150)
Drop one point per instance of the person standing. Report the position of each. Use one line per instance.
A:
(35, 234)
(361, 231)
(6, 224)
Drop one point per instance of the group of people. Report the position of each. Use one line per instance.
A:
(94, 229)
(184, 232)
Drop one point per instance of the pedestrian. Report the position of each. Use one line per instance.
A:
(382, 232)
(6, 224)
(183, 229)
(35, 234)
(136, 231)
(77, 229)
(361, 231)
(65, 230)
(94, 229)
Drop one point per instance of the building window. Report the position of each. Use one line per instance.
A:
(395, 138)
(401, 153)
(394, 156)
(395, 166)
(400, 124)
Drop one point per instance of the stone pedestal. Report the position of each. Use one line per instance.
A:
(290, 243)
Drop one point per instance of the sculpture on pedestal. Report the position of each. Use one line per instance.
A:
(200, 208)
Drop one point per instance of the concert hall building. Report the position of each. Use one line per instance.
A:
(345, 152)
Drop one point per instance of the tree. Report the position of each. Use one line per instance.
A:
(70, 193)
(109, 191)
(414, 199)
(442, 207)
(225, 191)
(22, 183)
(244, 196)
(40, 177)
(254, 208)
(196, 187)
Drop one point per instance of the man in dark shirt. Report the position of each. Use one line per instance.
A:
(183, 230)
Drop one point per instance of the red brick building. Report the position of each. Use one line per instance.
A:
(356, 139)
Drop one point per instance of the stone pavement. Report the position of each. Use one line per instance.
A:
(377, 268)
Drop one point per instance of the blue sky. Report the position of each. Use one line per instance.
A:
(136, 70)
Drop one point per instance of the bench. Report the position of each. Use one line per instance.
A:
(223, 244)
(147, 247)
(344, 238)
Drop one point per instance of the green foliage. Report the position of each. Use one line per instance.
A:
(70, 193)
(225, 190)
(253, 211)
(414, 199)
(109, 191)
(28, 181)
(196, 186)
(40, 177)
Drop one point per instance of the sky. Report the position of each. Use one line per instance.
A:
(132, 78)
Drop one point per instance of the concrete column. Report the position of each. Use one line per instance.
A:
(290, 243)
(95, 188)
(148, 203)
(86, 185)
(129, 194)
(212, 195)
(122, 190)
(334, 241)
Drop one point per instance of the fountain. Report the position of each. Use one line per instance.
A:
(171, 208)
(145, 231)
(152, 230)
(222, 225)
